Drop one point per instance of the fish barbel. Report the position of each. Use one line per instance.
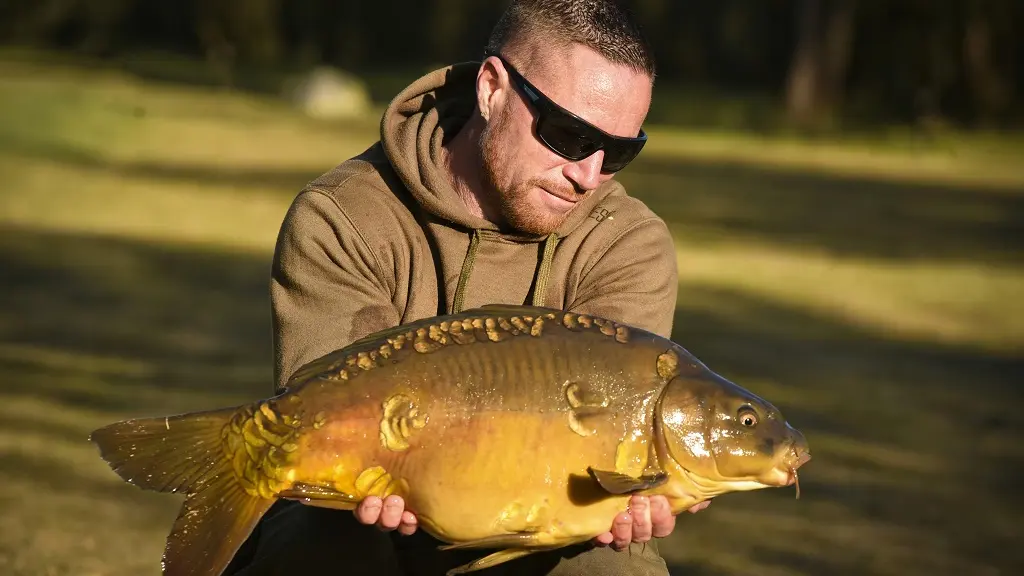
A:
(510, 428)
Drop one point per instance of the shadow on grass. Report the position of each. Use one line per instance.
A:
(130, 320)
(914, 444)
(847, 216)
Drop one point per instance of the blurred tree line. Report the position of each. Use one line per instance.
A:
(959, 61)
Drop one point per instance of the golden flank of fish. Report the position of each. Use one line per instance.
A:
(510, 428)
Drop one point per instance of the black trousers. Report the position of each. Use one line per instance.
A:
(295, 539)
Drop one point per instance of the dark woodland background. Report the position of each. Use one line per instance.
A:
(804, 63)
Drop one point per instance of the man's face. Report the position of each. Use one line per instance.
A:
(536, 187)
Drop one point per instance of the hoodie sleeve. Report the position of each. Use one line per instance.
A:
(327, 287)
(634, 279)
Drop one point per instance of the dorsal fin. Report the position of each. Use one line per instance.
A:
(375, 340)
(485, 310)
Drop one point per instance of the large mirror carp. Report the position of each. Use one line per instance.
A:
(511, 428)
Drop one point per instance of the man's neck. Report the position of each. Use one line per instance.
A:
(461, 159)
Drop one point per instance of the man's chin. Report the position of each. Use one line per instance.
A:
(539, 213)
(537, 222)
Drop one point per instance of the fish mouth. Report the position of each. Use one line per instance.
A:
(796, 457)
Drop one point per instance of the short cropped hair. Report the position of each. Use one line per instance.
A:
(601, 25)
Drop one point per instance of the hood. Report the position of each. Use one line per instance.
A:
(423, 117)
(417, 122)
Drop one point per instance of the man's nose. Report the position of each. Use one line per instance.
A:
(586, 173)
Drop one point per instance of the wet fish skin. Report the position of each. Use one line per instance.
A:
(540, 423)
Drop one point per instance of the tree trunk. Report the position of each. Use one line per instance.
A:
(804, 73)
(838, 50)
(820, 60)
(990, 90)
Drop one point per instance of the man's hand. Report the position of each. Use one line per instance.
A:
(389, 514)
(646, 518)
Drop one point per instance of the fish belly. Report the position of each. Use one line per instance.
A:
(509, 472)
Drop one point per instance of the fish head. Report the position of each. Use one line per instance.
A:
(724, 438)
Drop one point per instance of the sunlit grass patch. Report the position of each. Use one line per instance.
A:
(953, 303)
(976, 160)
(55, 195)
(127, 119)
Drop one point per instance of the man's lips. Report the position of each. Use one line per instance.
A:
(570, 198)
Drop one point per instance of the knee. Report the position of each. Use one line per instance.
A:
(637, 560)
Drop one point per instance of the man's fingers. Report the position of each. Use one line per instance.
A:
(622, 531)
(391, 513)
(408, 523)
(640, 509)
(369, 509)
(603, 539)
(662, 520)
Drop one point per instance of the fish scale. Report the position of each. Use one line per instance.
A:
(541, 423)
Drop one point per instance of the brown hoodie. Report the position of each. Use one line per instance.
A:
(383, 239)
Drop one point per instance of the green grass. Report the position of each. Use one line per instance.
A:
(874, 296)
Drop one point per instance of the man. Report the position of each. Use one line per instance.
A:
(492, 183)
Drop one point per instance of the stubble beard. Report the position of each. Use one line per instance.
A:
(513, 205)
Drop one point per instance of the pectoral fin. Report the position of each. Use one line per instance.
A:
(617, 483)
(516, 540)
(320, 496)
(490, 560)
(515, 546)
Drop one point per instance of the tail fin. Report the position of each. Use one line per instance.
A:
(186, 454)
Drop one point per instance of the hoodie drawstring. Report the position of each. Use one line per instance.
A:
(467, 268)
(543, 272)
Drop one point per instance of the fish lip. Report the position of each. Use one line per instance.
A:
(795, 458)
(797, 454)
(803, 458)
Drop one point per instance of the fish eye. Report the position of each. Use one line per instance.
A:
(747, 417)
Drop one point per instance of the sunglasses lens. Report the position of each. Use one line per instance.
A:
(566, 136)
(618, 155)
(575, 141)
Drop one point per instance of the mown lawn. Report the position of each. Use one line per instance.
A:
(874, 293)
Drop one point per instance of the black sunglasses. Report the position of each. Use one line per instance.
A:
(570, 136)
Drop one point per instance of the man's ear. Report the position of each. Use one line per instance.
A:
(489, 81)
